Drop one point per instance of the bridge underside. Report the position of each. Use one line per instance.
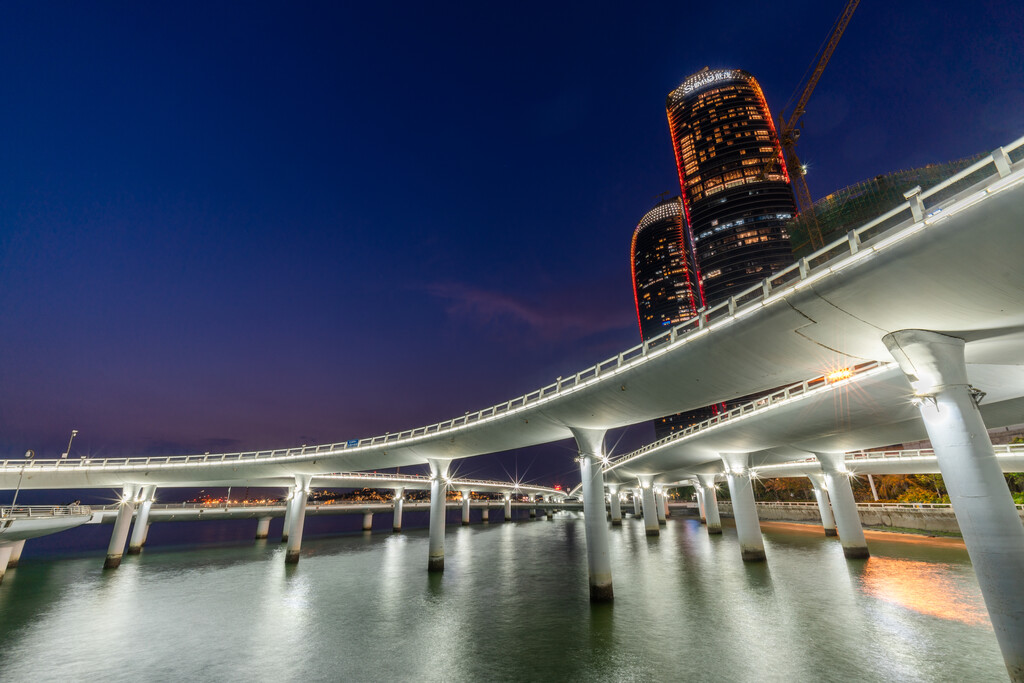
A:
(873, 412)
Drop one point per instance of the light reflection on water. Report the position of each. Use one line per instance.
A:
(925, 587)
(512, 605)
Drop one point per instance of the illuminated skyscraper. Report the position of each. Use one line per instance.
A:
(665, 286)
(735, 191)
(664, 275)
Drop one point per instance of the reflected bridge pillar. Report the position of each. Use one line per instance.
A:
(840, 493)
(984, 508)
(710, 501)
(438, 498)
(118, 537)
(828, 522)
(141, 528)
(744, 509)
(297, 515)
(590, 443)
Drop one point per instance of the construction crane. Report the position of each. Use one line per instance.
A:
(789, 128)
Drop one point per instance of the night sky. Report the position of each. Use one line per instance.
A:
(229, 225)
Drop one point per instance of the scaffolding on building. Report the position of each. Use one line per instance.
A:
(845, 209)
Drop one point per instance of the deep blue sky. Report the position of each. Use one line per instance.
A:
(233, 225)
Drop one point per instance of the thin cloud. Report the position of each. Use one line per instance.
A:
(556, 318)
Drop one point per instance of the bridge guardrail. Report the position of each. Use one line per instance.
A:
(39, 511)
(870, 506)
(870, 237)
(766, 401)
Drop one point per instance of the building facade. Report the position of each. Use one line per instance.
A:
(665, 280)
(666, 286)
(736, 194)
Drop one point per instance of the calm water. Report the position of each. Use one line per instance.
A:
(511, 605)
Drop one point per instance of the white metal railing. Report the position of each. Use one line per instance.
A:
(866, 506)
(831, 258)
(775, 398)
(451, 483)
(39, 511)
(860, 457)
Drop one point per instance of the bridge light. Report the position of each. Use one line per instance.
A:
(838, 375)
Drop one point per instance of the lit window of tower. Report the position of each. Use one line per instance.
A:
(664, 276)
(735, 191)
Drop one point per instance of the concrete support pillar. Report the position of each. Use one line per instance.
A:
(145, 534)
(982, 503)
(837, 483)
(485, 514)
(5, 559)
(286, 527)
(699, 492)
(438, 497)
(650, 509)
(262, 528)
(508, 507)
(828, 522)
(636, 502)
(16, 548)
(125, 511)
(744, 510)
(590, 443)
(615, 505)
(710, 495)
(533, 513)
(396, 524)
(367, 521)
(145, 497)
(298, 517)
(551, 514)
(660, 506)
(664, 500)
(466, 499)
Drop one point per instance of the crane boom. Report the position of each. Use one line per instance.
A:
(819, 68)
(789, 131)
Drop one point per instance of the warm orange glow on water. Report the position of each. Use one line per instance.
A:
(924, 587)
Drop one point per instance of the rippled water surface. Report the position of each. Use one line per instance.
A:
(512, 604)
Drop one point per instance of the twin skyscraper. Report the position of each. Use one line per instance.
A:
(727, 229)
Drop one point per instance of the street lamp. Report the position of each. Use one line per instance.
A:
(29, 454)
(74, 433)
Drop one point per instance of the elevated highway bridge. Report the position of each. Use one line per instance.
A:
(931, 293)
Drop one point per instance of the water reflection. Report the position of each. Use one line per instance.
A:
(513, 604)
(925, 587)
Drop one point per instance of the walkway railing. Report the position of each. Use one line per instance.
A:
(997, 171)
(38, 511)
(800, 390)
(866, 506)
(855, 457)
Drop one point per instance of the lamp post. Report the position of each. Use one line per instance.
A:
(29, 454)
(74, 433)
